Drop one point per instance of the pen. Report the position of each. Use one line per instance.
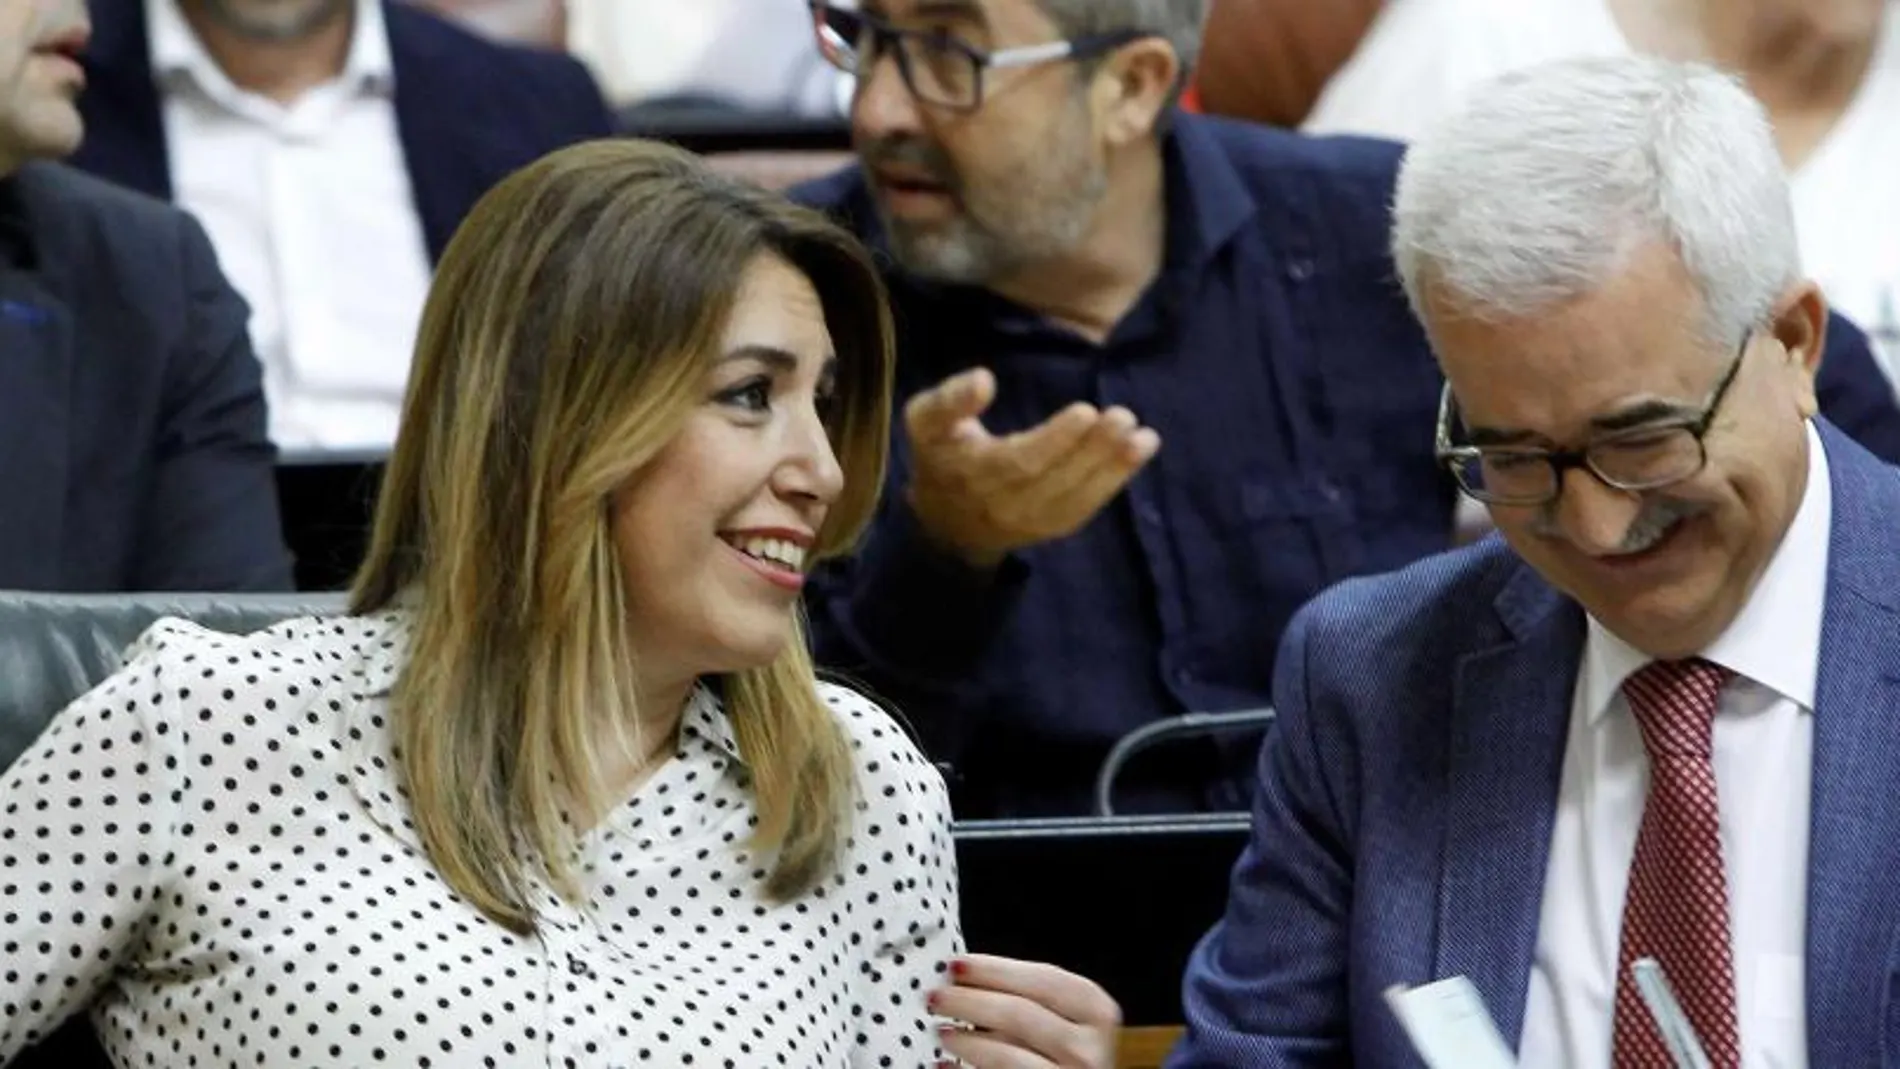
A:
(1677, 1033)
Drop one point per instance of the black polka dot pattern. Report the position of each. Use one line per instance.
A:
(212, 851)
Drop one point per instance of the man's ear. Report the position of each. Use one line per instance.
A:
(1132, 87)
(1801, 328)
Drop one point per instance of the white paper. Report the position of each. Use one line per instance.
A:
(1449, 1025)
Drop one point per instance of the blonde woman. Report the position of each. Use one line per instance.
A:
(562, 788)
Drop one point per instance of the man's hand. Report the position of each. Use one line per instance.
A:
(1026, 1015)
(981, 496)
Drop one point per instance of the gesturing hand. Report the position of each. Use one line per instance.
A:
(981, 495)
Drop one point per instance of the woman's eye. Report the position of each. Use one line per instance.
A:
(754, 396)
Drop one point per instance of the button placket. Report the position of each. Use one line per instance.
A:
(578, 972)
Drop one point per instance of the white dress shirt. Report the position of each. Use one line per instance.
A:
(314, 219)
(1422, 57)
(1763, 746)
(213, 852)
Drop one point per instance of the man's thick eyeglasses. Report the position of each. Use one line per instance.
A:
(1642, 458)
(937, 67)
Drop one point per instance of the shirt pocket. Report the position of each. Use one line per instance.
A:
(1306, 527)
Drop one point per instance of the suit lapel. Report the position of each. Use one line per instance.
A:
(1854, 844)
(36, 371)
(125, 127)
(1509, 730)
(440, 145)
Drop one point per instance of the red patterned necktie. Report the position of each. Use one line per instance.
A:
(1677, 909)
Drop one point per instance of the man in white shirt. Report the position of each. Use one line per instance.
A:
(1827, 70)
(330, 147)
(1656, 720)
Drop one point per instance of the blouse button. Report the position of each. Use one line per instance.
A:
(577, 967)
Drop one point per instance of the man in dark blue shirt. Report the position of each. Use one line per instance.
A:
(1160, 384)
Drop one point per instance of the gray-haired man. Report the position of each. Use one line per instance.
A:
(1657, 719)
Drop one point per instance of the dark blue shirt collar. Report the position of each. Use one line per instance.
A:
(1207, 201)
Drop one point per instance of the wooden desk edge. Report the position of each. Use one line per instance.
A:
(1146, 1048)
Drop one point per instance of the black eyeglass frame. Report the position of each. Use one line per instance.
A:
(836, 46)
(1457, 458)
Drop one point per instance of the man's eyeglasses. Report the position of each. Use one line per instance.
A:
(1642, 458)
(937, 67)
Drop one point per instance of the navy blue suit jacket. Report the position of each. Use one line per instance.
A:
(133, 454)
(469, 110)
(1406, 801)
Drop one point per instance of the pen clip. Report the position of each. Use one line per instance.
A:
(1685, 1049)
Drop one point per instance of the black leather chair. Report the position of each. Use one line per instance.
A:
(53, 648)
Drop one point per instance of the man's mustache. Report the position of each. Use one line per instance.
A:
(1659, 516)
(1655, 522)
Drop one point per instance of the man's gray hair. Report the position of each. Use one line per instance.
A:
(1541, 186)
(1179, 21)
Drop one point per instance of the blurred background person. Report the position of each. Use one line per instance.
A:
(1827, 70)
(330, 147)
(660, 60)
(1160, 385)
(133, 453)
(752, 55)
(542, 23)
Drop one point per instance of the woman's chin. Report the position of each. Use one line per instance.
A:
(755, 645)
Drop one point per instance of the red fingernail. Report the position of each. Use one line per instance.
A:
(930, 1001)
(959, 969)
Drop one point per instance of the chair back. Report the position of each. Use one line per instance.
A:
(56, 647)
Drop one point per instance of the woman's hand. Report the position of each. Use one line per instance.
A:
(1026, 1015)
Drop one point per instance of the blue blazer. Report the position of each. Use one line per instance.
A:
(1406, 799)
(133, 454)
(469, 110)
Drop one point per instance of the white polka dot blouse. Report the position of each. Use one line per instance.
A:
(210, 854)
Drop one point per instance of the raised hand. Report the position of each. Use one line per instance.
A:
(980, 495)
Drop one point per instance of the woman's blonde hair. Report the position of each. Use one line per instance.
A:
(564, 342)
